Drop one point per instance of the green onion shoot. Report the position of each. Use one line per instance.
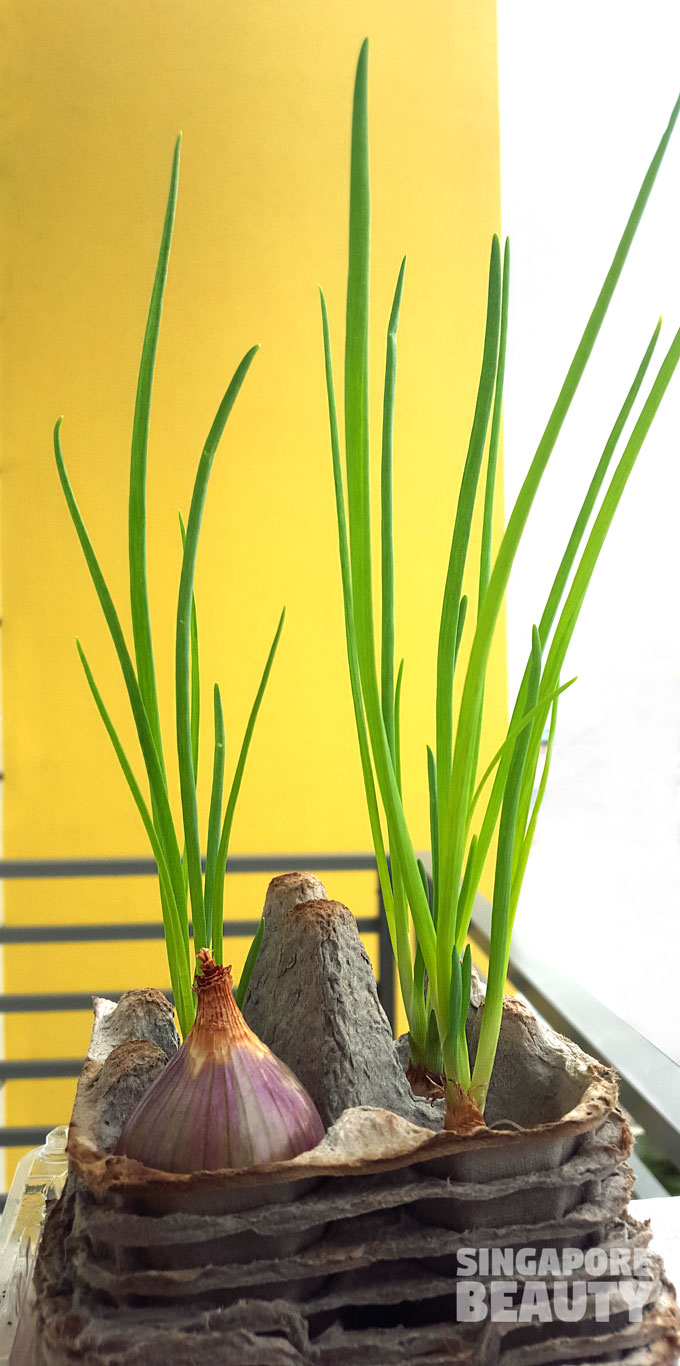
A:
(184, 887)
(429, 918)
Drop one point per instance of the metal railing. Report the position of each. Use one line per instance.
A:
(49, 1002)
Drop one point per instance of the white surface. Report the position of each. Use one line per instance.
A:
(586, 91)
(665, 1219)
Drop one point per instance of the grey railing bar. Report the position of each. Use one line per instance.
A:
(647, 1187)
(120, 931)
(649, 1079)
(146, 867)
(37, 1069)
(12, 1003)
(25, 1136)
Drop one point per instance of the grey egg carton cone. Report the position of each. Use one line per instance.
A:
(275, 1263)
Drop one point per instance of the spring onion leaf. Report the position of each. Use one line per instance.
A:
(172, 920)
(195, 674)
(155, 774)
(177, 873)
(448, 631)
(241, 990)
(223, 849)
(387, 649)
(436, 994)
(215, 814)
(183, 652)
(139, 597)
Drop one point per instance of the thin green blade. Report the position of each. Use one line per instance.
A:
(448, 628)
(223, 850)
(214, 824)
(183, 652)
(481, 645)
(157, 785)
(174, 922)
(386, 536)
(241, 990)
(139, 596)
(195, 673)
(495, 437)
(350, 637)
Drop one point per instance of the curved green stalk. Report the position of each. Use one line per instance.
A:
(574, 600)
(356, 364)
(513, 731)
(172, 918)
(451, 862)
(175, 872)
(568, 559)
(195, 673)
(434, 828)
(397, 725)
(500, 912)
(223, 850)
(358, 503)
(139, 596)
(157, 787)
(241, 991)
(215, 814)
(183, 652)
(386, 537)
(524, 841)
(350, 638)
(553, 600)
(495, 437)
(490, 488)
(448, 630)
(402, 921)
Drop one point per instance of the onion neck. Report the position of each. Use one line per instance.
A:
(217, 1011)
(463, 1114)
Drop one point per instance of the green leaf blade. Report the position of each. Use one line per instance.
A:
(174, 922)
(214, 825)
(223, 849)
(448, 630)
(241, 990)
(139, 596)
(156, 776)
(386, 516)
(183, 651)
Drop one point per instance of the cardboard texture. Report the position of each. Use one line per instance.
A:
(348, 1253)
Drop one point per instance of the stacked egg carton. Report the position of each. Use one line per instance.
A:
(352, 1252)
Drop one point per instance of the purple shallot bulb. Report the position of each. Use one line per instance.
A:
(224, 1100)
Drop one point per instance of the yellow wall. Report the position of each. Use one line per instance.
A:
(93, 95)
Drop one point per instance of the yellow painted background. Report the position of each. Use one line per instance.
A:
(94, 92)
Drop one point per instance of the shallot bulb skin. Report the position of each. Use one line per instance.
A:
(225, 1100)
